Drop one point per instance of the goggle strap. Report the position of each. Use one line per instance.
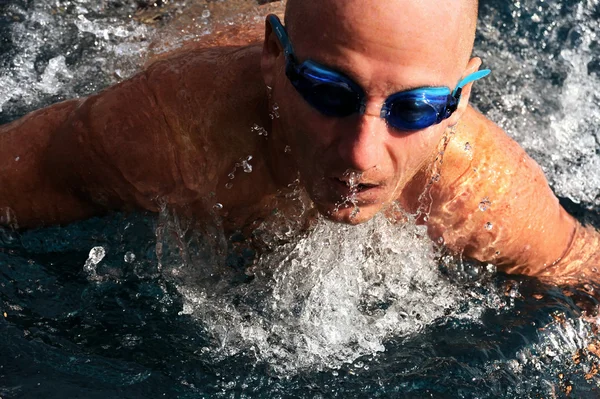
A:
(468, 79)
(282, 36)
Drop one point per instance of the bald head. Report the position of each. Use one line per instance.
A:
(452, 23)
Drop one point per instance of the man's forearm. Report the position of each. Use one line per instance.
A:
(581, 260)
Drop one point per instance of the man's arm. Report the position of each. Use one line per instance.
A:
(112, 150)
(165, 136)
(493, 204)
(30, 189)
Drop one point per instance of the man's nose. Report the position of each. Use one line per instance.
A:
(362, 145)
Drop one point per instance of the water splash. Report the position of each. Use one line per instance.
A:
(543, 91)
(54, 47)
(94, 258)
(352, 179)
(329, 298)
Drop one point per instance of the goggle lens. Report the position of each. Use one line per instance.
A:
(336, 98)
(411, 115)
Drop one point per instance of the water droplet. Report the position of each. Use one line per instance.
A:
(246, 166)
(205, 14)
(228, 186)
(274, 111)
(129, 257)
(259, 129)
(218, 206)
(488, 226)
(440, 240)
(95, 256)
(17, 159)
(485, 204)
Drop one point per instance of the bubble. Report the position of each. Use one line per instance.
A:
(485, 204)
(287, 149)
(228, 186)
(218, 206)
(129, 257)
(205, 14)
(231, 176)
(488, 226)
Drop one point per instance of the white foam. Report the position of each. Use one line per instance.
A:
(51, 78)
(329, 298)
(48, 29)
(544, 97)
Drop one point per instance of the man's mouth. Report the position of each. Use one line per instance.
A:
(351, 186)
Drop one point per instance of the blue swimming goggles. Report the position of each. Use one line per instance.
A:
(334, 94)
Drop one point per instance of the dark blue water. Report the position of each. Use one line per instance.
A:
(167, 312)
(122, 336)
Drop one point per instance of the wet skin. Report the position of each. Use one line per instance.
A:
(173, 134)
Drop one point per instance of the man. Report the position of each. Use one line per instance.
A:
(366, 103)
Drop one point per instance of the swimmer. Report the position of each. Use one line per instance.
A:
(365, 102)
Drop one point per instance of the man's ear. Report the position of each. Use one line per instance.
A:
(472, 66)
(271, 50)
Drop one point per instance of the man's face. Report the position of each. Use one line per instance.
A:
(354, 166)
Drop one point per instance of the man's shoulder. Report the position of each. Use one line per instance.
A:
(474, 142)
(477, 128)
